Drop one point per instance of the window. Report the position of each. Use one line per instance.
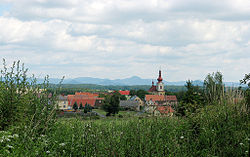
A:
(160, 87)
(64, 106)
(64, 102)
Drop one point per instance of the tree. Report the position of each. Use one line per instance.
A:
(214, 88)
(75, 106)
(81, 107)
(132, 92)
(141, 94)
(192, 99)
(246, 80)
(111, 104)
(87, 108)
(123, 97)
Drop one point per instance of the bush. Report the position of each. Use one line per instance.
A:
(23, 102)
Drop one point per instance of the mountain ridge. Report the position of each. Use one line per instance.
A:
(134, 80)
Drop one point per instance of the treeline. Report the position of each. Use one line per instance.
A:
(72, 88)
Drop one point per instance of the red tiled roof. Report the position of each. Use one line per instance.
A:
(160, 97)
(126, 92)
(165, 109)
(171, 98)
(83, 97)
(152, 89)
(155, 97)
(87, 94)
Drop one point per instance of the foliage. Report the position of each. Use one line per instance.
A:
(214, 88)
(80, 107)
(75, 106)
(87, 108)
(25, 105)
(111, 104)
(140, 93)
(246, 80)
(221, 130)
(191, 100)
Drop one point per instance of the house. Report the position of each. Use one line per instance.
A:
(129, 104)
(141, 103)
(134, 103)
(125, 93)
(62, 102)
(85, 98)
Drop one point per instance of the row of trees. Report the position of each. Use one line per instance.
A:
(213, 92)
(86, 108)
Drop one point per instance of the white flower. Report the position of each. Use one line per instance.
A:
(182, 137)
(15, 135)
(9, 146)
(241, 144)
(48, 152)
(10, 136)
(7, 139)
(246, 151)
(62, 144)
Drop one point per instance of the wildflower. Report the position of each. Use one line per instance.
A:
(48, 152)
(7, 139)
(9, 146)
(62, 144)
(182, 137)
(246, 151)
(10, 136)
(15, 135)
(64, 151)
(241, 144)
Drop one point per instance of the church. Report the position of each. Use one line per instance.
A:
(157, 89)
(157, 102)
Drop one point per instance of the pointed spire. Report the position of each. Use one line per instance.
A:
(159, 78)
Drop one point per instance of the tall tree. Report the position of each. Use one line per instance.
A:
(192, 99)
(111, 104)
(81, 107)
(214, 88)
(246, 80)
(75, 106)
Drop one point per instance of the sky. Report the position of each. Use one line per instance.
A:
(186, 39)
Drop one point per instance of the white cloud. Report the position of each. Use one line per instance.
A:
(118, 38)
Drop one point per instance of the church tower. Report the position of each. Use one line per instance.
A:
(160, 85)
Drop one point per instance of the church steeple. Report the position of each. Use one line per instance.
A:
(159, 78)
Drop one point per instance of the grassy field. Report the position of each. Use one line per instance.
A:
(214, 131)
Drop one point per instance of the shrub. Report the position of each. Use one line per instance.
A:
(23, 102)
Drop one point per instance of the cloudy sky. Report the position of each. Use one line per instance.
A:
(113, 39)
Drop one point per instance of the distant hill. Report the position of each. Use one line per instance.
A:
(134, 80)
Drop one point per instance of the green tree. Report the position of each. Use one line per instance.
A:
(111, 104)
(132, 92)
(87, 108)
(81, 107)
(141, 94)
(246, 80)
(192, 99)
(123, 97)
(75, 106)
(214, 88)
